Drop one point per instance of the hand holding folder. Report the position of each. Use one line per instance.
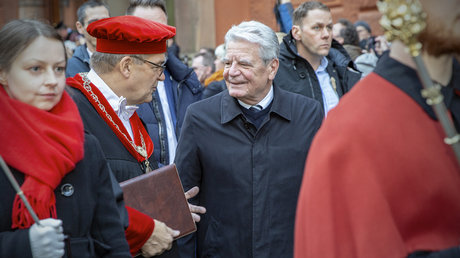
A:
(160, 195)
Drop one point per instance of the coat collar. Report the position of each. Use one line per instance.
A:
(288, 48)
(182, 74)
(230, 109)
(81, 53)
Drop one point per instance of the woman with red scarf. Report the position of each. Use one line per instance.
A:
(61, 170)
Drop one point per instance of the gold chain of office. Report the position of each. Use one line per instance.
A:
(141, 150)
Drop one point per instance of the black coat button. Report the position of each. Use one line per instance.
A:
(302, 75)
(67, 190)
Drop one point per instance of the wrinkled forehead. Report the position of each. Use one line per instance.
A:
(242, 50)
(316, 16)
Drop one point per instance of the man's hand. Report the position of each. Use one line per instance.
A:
(381, 45)
(160, 240)
(194, 209)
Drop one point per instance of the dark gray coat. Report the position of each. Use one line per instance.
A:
(249, 179)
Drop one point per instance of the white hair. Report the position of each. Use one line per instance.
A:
(258, 33)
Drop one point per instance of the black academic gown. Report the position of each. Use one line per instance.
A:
(124, 165)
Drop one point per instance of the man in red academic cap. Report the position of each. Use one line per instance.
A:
(380, 181)
(128, 62)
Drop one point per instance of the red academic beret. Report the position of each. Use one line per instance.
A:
(130, 35)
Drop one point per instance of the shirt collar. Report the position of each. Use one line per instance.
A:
(89, 52)
(119, 104)
(230, 107)
(322, 65)
(263, 103)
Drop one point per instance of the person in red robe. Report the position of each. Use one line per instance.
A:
(379, 180)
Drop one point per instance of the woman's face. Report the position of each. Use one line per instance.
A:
(37, 75)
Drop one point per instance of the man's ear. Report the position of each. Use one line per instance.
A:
(80, 27)
(340, 40)
(3, 80)
(125, 66)
(296, 32)
(208, 70)
(273, 66)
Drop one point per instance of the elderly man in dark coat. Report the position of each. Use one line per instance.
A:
(246, 148)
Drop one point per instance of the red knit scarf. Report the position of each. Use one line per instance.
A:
(111, 118)
(44, 145)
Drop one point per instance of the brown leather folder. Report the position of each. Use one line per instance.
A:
(160, 195)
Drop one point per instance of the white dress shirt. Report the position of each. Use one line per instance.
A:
(118, 104)
(263, 103)
(170, 131)
(89, 52)
(330, 97)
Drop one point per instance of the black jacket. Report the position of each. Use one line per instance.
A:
(249, 178)
(295, 73)
(90, 217)
(214, 88)
(78, 63)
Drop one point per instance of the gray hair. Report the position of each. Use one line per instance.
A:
(220, 51)
(208, 60)
(258, 33)
(106, 62)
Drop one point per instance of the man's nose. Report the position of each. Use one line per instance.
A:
(233, 70)
(161, 77)
(326, 33)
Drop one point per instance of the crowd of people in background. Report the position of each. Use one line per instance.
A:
(356, 38)
(312, 141)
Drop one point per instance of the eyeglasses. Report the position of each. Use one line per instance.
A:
(161, 67)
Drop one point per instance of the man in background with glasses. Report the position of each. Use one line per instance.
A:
(164, 115)
(128, 62)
